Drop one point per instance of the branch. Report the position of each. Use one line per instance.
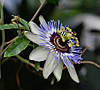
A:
(5, 50)
(9, 44)
(41, 6)
(3, 2)
(90, 62)
(3, 32)
(18, 79)
(11, 40)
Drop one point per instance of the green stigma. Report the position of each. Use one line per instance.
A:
(68, 35)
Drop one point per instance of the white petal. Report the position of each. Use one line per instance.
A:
(58, 71)
(34, 28)
(49, 66)
(73, 74)
(38, 54)
(34, 38)
(71, 69)
(43, 22)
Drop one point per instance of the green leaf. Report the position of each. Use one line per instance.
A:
(19, 45)
(11, 26)
(25, 23)
(37, 66)
(22, 21)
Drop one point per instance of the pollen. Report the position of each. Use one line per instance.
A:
(68, 35)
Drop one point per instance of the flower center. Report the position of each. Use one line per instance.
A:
(59, 44)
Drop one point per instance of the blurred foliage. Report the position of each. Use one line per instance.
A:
(64, 14)
(28, 8)
(53, 1)
(90, 6)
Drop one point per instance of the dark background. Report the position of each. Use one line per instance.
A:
(66, 11)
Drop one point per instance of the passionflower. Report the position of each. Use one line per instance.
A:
(58, 45)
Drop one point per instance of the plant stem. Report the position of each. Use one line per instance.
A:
(41, 6)
(9, 44)
(27, 62)
(23, 60)
(11, 40)
(90, 62)
(18, 79)
(3, 31)
(5, 50)
(4, 60)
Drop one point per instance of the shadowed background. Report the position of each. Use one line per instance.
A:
(83, 16)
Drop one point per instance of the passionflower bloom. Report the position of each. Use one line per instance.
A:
(58, 45)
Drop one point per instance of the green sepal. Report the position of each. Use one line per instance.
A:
(37, 66)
